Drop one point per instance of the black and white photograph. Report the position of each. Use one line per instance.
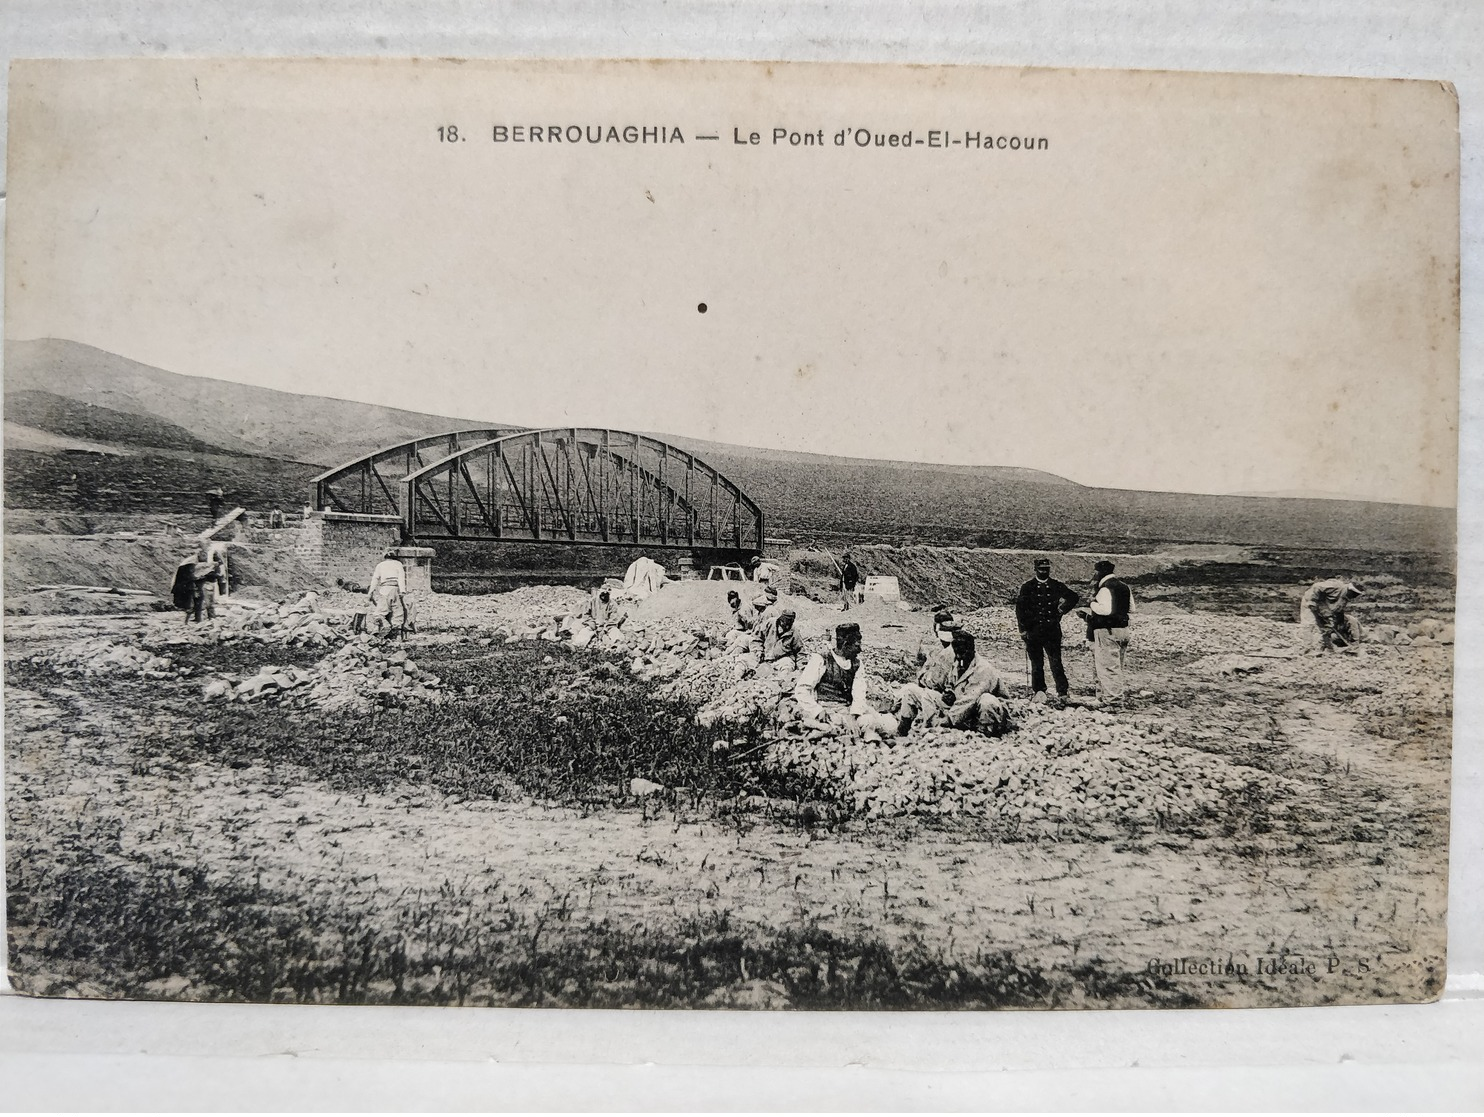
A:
(728, 536)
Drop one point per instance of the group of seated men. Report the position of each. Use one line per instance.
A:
(764, 630)
(954, 685)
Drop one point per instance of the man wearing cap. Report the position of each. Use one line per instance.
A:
(1039, 608)
(769, 607)
(777, 642)
(763, 570)
(940, 639)
(935, 673)
(762, 609)
(388, 585)
(744, 620)
(1323, 625)
(972, 697)
(831, 690)
(1107, 628)
(850, 576)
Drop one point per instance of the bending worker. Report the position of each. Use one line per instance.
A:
(763, 570)
(831, 690)
(1323, 624)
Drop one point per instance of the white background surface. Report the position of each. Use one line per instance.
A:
(101, 1055)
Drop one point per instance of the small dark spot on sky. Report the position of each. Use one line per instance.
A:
(701, 307)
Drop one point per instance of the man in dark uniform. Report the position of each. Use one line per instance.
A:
(850, 577)
(1039, 608)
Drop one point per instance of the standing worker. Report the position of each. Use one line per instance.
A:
(763, 570)
(217, 553)
(205, 575)
(850, 577)
(388, 584)
(1107, 628)
(1039, 607)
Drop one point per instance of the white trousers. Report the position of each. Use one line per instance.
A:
(1108, 648)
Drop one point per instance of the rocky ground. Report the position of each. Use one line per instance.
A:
(482, 813)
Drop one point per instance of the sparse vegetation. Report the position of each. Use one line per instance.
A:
(131, 929)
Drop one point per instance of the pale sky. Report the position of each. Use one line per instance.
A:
(1203, 283)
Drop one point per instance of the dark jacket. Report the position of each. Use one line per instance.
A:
(1040, 606)
(850, 575)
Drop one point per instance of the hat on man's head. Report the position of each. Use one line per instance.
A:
(761, 601)
(846, 633)
(1102, 567)
(963, 643)
(771, 594)
(733, 595)
(944, 619)
(1040, 562)
(788, 615)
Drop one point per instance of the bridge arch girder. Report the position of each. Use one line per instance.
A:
(579, 485)
(371, 484)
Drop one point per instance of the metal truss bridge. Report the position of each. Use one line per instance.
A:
(554, 485)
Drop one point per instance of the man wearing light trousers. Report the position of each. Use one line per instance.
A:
(1107, 628)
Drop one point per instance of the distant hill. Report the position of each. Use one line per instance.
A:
(47, 411)
(99, 430)
(1303, 494)
(716, 452)
(235, 417)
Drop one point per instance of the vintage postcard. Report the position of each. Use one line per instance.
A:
(720, 535)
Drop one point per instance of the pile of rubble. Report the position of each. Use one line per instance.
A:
(691, 661)
(98, 655)
(1427, 633)
(296, 621)
(354, 677)
(368, 670)
(1060, 773)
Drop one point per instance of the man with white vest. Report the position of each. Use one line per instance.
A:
(831, 690)
(1107, 628)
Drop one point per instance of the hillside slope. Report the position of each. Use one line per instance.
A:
(73, 418)
(235, 417)
(809, 497)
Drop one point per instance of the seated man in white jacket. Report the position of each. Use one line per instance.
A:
(831, 690)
